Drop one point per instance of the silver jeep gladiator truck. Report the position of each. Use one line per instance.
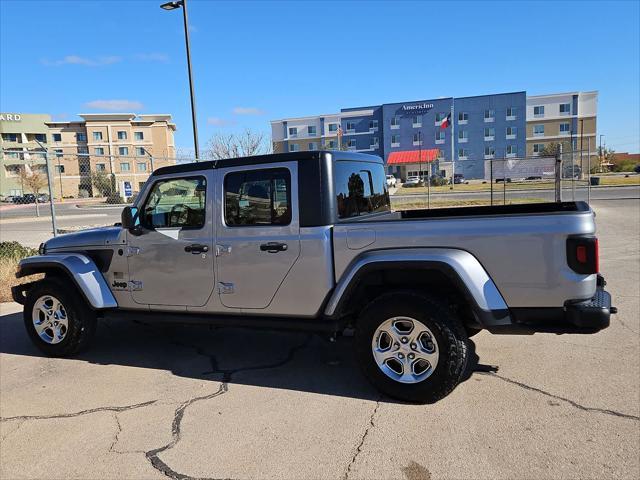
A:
(308, 241)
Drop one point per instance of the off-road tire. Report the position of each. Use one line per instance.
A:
(447, 329)
(81, 318)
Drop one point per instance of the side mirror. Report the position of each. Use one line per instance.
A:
(130, 219)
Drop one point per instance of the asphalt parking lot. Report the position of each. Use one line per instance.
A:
(187, 402)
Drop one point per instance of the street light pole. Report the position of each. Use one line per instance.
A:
(172, 6)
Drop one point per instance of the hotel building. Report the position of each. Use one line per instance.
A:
(409, 135)
(128, 146)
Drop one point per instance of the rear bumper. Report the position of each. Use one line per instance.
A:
(577, 316)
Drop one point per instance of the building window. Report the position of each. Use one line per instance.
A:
(83, 150)
(417, 139)
(123, 151)
(140, 151)
(565, 109)
(489, 115)
(311, 131)
(333, 127)
(101, 167)
(512, 151)
(142, 167)
(538, 148)
(351, 127)
(489, 134)
(417, 121)
(538, 111)
(439, 117)
(395, 140)
(395, 123)
(98, 151)
(511, 113)
(10, 137)
(463, 136)
(293, 131)
(294, 147)
(511, 133)
(463, 153)
(489, 152)
(122, 135)
(440, 154)
(41, 137)
(374, 143)
(373, 125)
(57, 137)
(332, 144)
(565, 128)
(138, 135)
(351, 143)
(463, 118)
(58, 152)
(125, 167)
(59, 169)
(313, 146)
(81, 137)
(538, 130)
(97, 136)
(440, 137)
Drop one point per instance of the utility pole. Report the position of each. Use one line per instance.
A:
(453, 132)
(601, 154)
(53, 209)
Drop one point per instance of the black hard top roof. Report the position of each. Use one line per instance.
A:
(260, 159)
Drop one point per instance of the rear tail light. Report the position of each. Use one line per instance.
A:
(582, 254)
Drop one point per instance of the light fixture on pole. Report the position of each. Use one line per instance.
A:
(172, 6)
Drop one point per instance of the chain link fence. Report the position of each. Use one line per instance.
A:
(563, 177)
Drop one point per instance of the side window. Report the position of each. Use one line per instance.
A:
(361, 188)
(257, 197)
(178, 202)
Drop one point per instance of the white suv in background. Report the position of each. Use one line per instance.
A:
(391, 181)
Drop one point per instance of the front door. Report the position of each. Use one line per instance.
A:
(257, 232)
(171, 260)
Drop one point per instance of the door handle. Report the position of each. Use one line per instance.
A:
(273, 247)
(196, 248)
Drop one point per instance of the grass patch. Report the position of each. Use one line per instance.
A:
(10, 254)
(422, 203)
(632, 179)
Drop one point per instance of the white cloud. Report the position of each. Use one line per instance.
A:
(220, 122)
(115, 105)
(247, 111)
(84, 61)
(152, 57)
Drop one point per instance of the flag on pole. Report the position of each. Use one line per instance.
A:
(446, 122)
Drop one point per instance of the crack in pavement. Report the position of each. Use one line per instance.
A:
(362, 440)
(77, 414)
(176, 432)
(563, 399)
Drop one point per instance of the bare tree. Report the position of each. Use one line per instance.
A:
(34, 179)
(231, 145)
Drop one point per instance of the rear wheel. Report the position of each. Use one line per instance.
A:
(57, 319)
(411, 346)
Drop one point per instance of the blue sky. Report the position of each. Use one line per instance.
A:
(258, 61)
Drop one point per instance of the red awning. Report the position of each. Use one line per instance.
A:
(413, 156)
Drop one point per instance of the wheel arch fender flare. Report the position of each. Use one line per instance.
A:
(78, 268)
(460, 266)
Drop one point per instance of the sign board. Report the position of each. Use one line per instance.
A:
(10, 117)
(126, 189)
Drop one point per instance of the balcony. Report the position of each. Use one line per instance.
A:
(417, 143)
(463, 140)
(512, 155)
(489, 156)
(511, 136)
(489, 138)
(439, 141)
(489, 119)
(395, 126)
(417, 125)
(463, 122)
(395, 144)
(510, 118)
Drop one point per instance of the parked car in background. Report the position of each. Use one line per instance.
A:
(458, 178)
(43, 197)
(572, 171)
(9, 199)
(26, 198)
(391, 181)
(413, 181)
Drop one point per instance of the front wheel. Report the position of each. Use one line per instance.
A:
(411, 346)
(57, 319)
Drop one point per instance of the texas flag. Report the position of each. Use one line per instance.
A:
(446, 122)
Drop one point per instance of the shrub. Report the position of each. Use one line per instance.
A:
(14, 250)
(10, 254)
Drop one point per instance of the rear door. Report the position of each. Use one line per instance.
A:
(257, 232)
(172, 262)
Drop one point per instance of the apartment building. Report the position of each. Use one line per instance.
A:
(127, 146)
(409, 135)
(565, 118)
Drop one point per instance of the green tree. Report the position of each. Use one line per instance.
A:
(103, 182)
